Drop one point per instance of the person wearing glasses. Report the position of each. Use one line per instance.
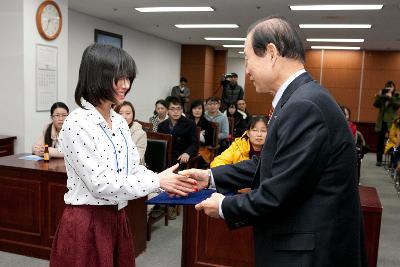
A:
(214, 115)
(58, 112)
(246, 146)
(184, 140)
(183, 131)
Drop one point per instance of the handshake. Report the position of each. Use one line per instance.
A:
(188, 181)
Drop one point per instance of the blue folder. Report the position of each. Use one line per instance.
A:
(192, 199)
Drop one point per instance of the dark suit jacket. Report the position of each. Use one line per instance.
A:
(184, 139)
(304, 206)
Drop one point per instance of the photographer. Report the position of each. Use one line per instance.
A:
(231, 91)
(387, 101)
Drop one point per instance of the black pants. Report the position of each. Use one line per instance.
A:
(381, 142)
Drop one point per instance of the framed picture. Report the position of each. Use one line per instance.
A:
(110, 38)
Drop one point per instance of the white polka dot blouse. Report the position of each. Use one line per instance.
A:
(102, 163)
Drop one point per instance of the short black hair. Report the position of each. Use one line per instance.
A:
(213, 99)
(280, 32)
(234, 75)
(196, 103)
(161, 102)
(101, 67)
(255, 119)
(183, 79)
(58, 105)
(390, 84)
(175, 101)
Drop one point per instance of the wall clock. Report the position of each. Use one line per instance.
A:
(49, 20)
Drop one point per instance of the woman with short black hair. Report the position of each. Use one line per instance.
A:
(103, 167)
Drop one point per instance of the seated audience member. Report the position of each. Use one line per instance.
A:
(393, 143)
(160, 114)
(206, 134)
(139, 136)
(352, 126)
(58, 112)
(242, 109)
(245, 147)
(213, 114)
(184, 139)
(183, 131)
(239, 124)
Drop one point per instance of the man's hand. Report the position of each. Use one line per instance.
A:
(200, 175)
(176, 184)
(184, 158)
(211, 205)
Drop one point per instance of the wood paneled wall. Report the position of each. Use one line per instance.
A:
(352, 77)
(203, 66)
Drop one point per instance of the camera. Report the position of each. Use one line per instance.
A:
(225, 80)
(385, 91)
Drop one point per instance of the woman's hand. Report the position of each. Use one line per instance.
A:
(38, 150)
(202, 176)
(176, 184)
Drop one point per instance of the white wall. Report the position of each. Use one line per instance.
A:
(35, 121)
(11, 71)
(158, 61)
(17, 69)
(237, 65)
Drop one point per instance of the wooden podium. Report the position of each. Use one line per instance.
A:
(208, 242)
(32, 202)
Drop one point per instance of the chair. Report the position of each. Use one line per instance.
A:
(231, 122)
(147, 126)
(158, 157)
(215, 145)
(193, 161)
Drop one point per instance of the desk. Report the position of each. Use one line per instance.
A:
(6, 145)
(208, 242)
(32, 202)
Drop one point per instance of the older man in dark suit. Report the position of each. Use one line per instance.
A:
(304, 204)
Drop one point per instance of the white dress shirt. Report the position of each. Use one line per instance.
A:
(102, 163)
(283, 87)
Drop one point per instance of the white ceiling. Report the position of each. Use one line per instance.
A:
(384, 34)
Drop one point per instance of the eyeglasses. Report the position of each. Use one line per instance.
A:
(212, 103)
(58, 116)
(263, 131)
(175, 109)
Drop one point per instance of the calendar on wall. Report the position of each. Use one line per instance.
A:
(46, 76)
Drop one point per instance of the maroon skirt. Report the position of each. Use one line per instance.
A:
(93, 236)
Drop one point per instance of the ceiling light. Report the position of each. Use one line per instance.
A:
(198, 26)
(224, 39)
(335, 26)
(233, 46)
(174, 9)
(335, 40)
(336, 47)
(336, 7)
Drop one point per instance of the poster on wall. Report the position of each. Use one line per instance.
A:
(46, 76)
(104, 37)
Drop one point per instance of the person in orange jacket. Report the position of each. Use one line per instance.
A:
(246, 146)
